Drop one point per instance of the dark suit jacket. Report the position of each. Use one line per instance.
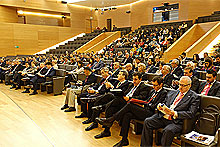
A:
(158, 99)
(214, 90)
(186, 108)
(103, 89)
(130, 75)
(51, 73)
(195, 84)
(129, 60)
(152, 69)
(99, 65)
(178, 72)
(167, 81)
(123, 86)
(141, 93)
(115, 73)
(90, 79)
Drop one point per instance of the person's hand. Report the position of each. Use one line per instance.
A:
(126, 98)
(159, 107)
(108, 85)
(169, 112)
(90, 90)
(139, 104)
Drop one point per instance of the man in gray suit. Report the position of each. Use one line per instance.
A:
(181, 104)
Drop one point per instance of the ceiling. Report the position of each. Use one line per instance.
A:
(102, 3)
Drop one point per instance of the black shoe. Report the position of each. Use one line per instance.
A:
(123, 142)
(65, 107)
(102, 135)
(82, 115)
(70, 109)
(105, 121)
(88, 121)
(26, 91)
(98, 108)
(18, 88)
(92, 126)
(33, 93)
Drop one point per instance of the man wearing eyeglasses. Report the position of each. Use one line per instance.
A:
(178, 105)
(210, 87)
(137, 111)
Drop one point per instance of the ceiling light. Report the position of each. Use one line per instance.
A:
(20, 12)
(73, 1)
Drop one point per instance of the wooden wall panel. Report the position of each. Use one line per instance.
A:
(8, 15)
(37, 4)
(31, 38)
(141, 12)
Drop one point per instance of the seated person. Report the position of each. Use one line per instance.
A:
(40, 78)
(72, 75)
(195, 81)
(130, 71)
(217, 60)
(208, 65)
(182, 104)
(150, 66)
(142, 70)
(14, 73)
(167, 77)
(121, 83)
(98, 89)
(210, 87)
(136, 90)
(136, 111)
(177, 71)
(72, 92)
(115, 69)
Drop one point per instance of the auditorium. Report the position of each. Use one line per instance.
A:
(102, 73)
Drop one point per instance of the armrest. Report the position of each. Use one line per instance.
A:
(188, 125)
(217, 139)
(49, 79)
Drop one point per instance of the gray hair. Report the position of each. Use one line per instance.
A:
(190, 63)
(168, 68)
(188, 79)
(176, 61)
(142, 64)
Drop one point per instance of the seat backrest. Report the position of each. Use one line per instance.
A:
(207, 100)
(81, 77)
(60, 72)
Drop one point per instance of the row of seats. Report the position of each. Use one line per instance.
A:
(210, 18)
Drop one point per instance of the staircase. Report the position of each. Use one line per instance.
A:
(71, 46)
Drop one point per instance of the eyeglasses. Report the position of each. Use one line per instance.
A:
(183, 85)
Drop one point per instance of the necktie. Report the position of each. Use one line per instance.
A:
(206, 89)
(119, 84)
(130, 94)
(153, 97)
(177, 100)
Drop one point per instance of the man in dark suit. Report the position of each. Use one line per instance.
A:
(127, 59)
(121, 83)
(136, 111)
(211, 87)
(14, 73)
(72, 92)
(136, 90)
(217, 60)
(182, 104)
(177, 71)
(40, 78)
(98, 64)
(188, 71)
(150, 66)
(167, 77)
(98, 89)
(115, 70)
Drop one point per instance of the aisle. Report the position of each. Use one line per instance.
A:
(42, 123)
